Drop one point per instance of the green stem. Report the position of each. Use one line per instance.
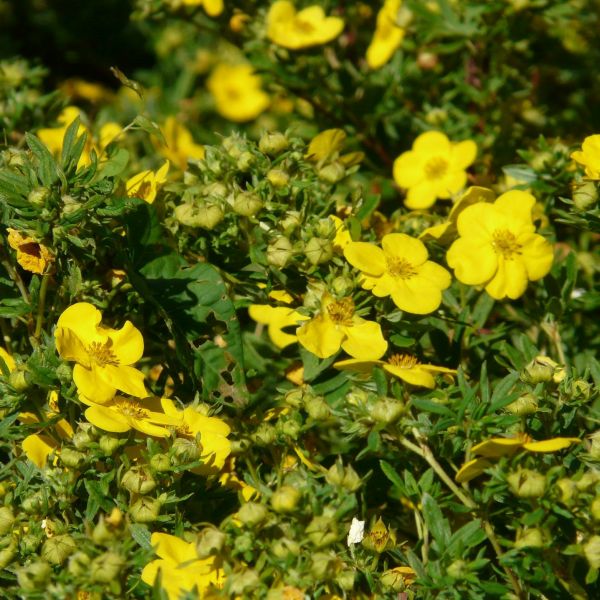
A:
(41, 306)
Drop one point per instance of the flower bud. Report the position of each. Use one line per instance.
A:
(567, 489)
(272, 143)
(145, 510)
(580, 389)
(186, 450)
(34, 503)
(594, 440)
(543, 370)
(244, 543)
(587, 480)
(289, 427)
(247, 204)
(79, 564)
(240, 583)
(8, 554)
(526, 483)
(322, 531)
(286, 499)
(317, 408)
(427, 60)
(82, 439)
(458, 569)
(345, 477)
(284, 548)
(30, 543)
(109, 444)
(72, 458)
(332, 173)
(585, 195)
(252, 513)
(595, 508)
(296, 396)
(591, 551)
(380, 538)
(19, 380)
(530, 538)
(318, 250)
(342, 286)
(264, 435)
(210, 541)
(160, 463)
(290, 221)
(386, 410)
(279, 252)
(398, 578)
(527, 404)
(64, 372)
(33, 576)
(278, 178)
(404, 17)
(204, 215)
(138, 480)
(106, 567)
(234, 145)
(58, 548)
(7, 519)
(245, 161)
(345, 579)
(38, 196)
(322, 566)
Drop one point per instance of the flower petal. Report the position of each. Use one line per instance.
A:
(92, 386)
(83, 319)
(400, 245)
(37, 448)
(537, 254)
(509, 281)
(497, 447)
(366, 257)
(70, 347)
(414, 375)
(124, 378)
(173, 549)
(552, 445)
(422, 195)
(320, 336)
(107, 419)
(432, 143)
(364, 340)
(517, 204)
(463, 154)
(473, 260)
(127, 343)
(357, 364)
(472, 469)
(408, 169)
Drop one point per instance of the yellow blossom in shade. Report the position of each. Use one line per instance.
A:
(121, 414)
(326, 147)
(52, 137)
(145, 185)
(337, 326)
(237, 92)
(400, 269)
(31, 255)
(181, 570)
(180, 145)
(434, 168)
(296, 30)
(109, 132)
(9, 361)
(38, 447)
(498, 248)
(388, 35)
(213, 8)
(342, 235)
(498, 447)
(228, 478)
(86, 90)
(403, 366)
(589, 156)
(212, 433)
(103, 355)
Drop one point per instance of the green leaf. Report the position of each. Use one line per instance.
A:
(48, 173)
(391, 474)
(468, 536)
(435, 521)
(141, 534)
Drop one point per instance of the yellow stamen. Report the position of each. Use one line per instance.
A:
(341, 311)
(404, 361)
(102, 354)
(436, 167)
(400, 267)
(505, 243)
(131, 408)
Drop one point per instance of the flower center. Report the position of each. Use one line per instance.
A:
(303, 26)
(505, 243)
(184, 430)
(400, 267)
(404, 361)
(102, 354)
(131, 408)
(436, 167)
(341, 311)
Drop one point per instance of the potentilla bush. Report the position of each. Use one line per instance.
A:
(304, 308)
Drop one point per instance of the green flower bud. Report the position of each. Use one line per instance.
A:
(104, 532)
(106, 567)
(380, 538)
(587, 480)
(252, 513)
(34, 504)
(543, 370)
(72, 458)
(138, 480)
(7, 519)
(186, 450)
(247, 204)
(289, 428)
(436, 116)
(585, 195)
(204, 215)
(30, 543)
(64, 372)
(82, 440)
(322, 531)
(398, 578)
(242, 582)
(345, 580)
(244, 543)
(109, 444)
(404, 17)
(239, 447)
(290, 221)
(530, 538)
(145, 510)
(278, 178)
(38, 196)
(8, 554)
(210, 541)
(70, 205)
(526, 483)
(527, 404)
(264, 435)
(591, 551)
(79, 564)
(567, 489)
(19, 380)
(272, 143)
(245, 161)
(332, 173)
(286, 499)
(317, 408)
(318, 250)
(34, 576)
(342, 286)
(297, 396)
(341, 476)
(58, 548)
(595, 508)
(322, 566)
(594, 440)
(458, 569)
(284, 548)
(279, 252)
(160, 463)
(386, 410)
(580, 389)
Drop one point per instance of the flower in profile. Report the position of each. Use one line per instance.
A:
(9, 361)
(102, 355)
(498, 247)
(589, 156)
(145, 185)
(388, 35)
(400, 269)
(302, 29)
(434, 168)
(403, 366)
(211, 431)
(498, 447)
(121, 414)
(180, 145)
(31, 255)
(213, 8)
(237, 92)
(181, 570)
(326, 147)
(338, 326)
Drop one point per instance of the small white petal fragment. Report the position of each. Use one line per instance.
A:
(357, 532)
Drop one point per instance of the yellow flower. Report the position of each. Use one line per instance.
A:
(403, 366)
(589, 156)
(86, 90)
(103, 355)
(498, 447)
(9, 361)
(434, 168)
(120, 414)
(388, 35)
(31, 255)
(296, 30)
(213, 434)
(52, 137)
(144, 185)
(400, 269)
(342, 235)
(180, 145)
(213, 8)
(498, 248)
(237, 92)
(180, 568)
(337, 326)
(326, 147)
